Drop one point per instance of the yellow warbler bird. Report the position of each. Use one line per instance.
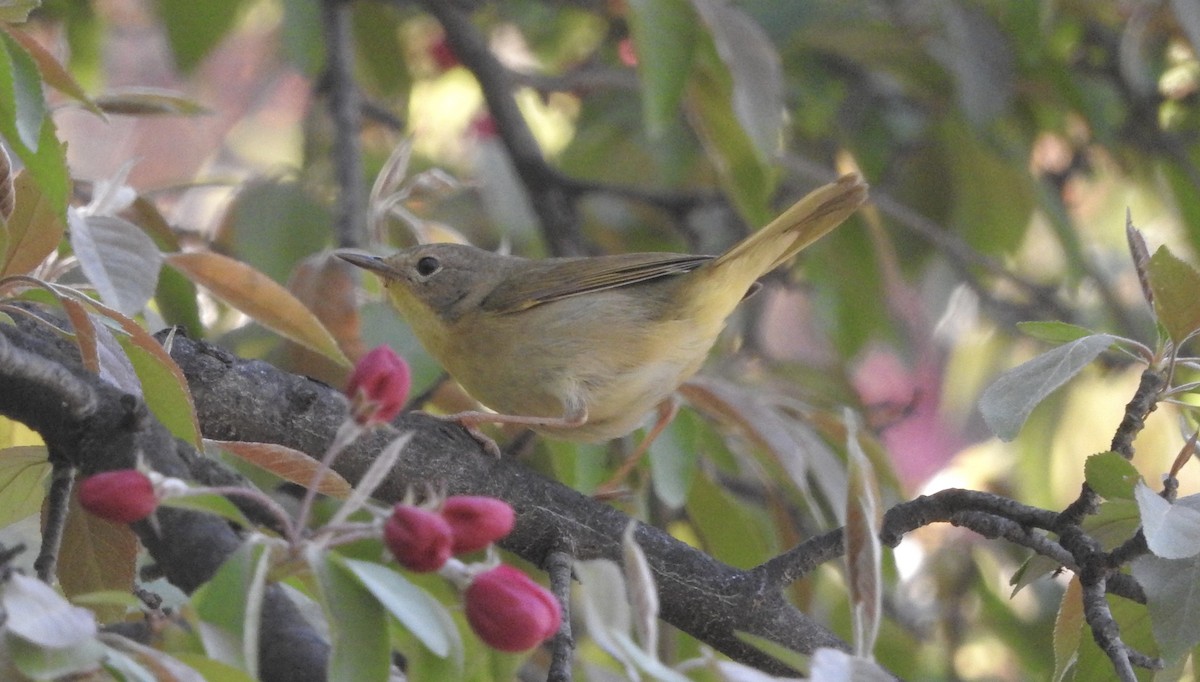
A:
(584, 348)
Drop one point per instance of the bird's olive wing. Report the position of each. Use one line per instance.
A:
(555, 279)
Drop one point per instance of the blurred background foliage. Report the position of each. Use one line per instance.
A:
(1004, 141)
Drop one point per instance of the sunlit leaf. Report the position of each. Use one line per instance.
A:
(1111, 475)
(1007, 403)
(23, 473)
(1172, 530)
(169, 398)
(257, 295)
(286, 463)
(1175, 284)
(118, 258)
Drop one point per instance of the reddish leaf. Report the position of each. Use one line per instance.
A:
(286, 463)
(34, 228)
(257, 295)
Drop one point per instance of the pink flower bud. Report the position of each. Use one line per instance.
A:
(418, 538)
(379, 386)
(121, 496)
(477, 521)
(509, 611)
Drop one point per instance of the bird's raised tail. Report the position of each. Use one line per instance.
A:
(805, 222)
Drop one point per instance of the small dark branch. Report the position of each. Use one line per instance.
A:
(1104, 629)
(554, 203)
(802, 559)
(990, 515)
(1144, 401)
(382, 115)
(58, 501)
(939, 506)
(1126, 587)
(346, 111)
(559, 565)
(991, 526)
(1129, 550)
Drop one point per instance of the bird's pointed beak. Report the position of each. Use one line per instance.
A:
(367, 262)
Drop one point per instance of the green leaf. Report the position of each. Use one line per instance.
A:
(412, 606)
(1007, 403)
(167, 396)
(1111, 475)
(210, 503)
(27, 127)
(731, 531)
(1175, 284)
(53, 72)
(663, 63)
(754, 68)
(22, 105)
(1053, 331)
(23, 473)
(1172, 600)
(1172, 530)
(673, 458)
(745, 174)
(220, 601)
(194, 28)
(252, 223)
(357, 620)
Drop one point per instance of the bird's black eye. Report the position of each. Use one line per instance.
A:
(428, 265)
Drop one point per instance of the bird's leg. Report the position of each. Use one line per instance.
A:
(470, 420)
(667, 409)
